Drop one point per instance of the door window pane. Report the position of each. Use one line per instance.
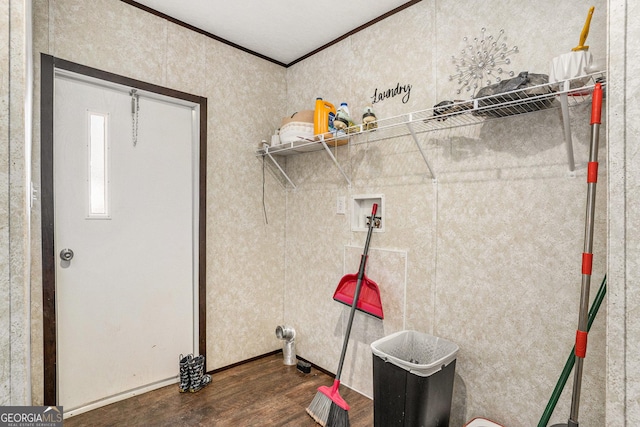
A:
(98, 166)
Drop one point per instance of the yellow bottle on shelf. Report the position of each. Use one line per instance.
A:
(324, 114)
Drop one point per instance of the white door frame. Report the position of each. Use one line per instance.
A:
(51, 66)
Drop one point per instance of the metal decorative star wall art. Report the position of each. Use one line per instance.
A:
(482, 61)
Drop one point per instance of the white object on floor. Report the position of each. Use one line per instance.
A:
(482, 422)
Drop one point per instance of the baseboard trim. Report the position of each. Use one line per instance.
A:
(242, 362)
(269, 354)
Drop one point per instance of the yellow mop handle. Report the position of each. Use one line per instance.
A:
(585, 32)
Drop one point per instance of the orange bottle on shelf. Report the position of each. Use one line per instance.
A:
(324, 114)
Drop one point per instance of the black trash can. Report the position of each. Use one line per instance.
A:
(413, 377)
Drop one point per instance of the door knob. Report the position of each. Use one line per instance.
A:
(66, 254)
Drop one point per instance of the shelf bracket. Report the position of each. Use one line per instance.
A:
(564, 106)
(266, 153)
(424, 156)
(335, 161)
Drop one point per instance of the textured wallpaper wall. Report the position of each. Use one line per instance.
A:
(492, 246)
(488, 255)
(5, 275)
(245, 263)
(14, 209)
(632, 169)
(623, 322)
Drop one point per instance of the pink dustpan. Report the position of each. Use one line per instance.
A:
(369, 300)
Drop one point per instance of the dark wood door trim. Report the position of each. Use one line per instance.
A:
(48, 66)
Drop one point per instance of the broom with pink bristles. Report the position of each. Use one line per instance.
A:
(328, 408)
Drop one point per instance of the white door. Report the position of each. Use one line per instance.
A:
(124, 204)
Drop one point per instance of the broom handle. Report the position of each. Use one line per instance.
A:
(356, 295)
(587, 255)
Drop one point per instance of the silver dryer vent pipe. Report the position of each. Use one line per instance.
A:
(288, 334)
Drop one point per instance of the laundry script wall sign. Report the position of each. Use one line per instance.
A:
(399, 90)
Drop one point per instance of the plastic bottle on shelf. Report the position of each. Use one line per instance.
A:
(323, 118)
(343, 118)
(343, 123)
(369, 118)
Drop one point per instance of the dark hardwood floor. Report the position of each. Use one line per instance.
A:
(262, 392)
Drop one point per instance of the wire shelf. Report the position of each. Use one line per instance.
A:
(455, 114)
